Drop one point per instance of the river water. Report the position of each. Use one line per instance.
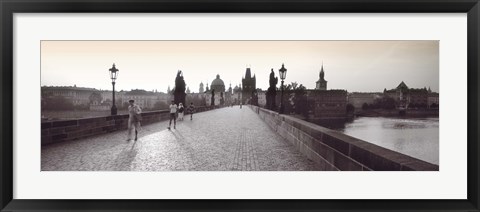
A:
(418, 138)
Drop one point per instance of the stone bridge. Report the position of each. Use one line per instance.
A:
(223, 139)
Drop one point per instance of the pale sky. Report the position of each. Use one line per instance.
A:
(356, 66)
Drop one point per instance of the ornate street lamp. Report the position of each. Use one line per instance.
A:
(113, 76)
(283, 73)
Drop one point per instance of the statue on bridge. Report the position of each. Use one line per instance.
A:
(179, 93)
(213, 98)
(222, 100)
(272, 91)
(254, 100)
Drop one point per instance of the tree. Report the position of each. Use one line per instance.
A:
(160, 105)
(365, 106)
(179, 90)
(95, 98)
(384, 103)
(296, 96)
(350, 108)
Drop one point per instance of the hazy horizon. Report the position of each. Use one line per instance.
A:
(355, 66)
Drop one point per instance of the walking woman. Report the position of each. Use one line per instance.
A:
(181, 110)
(134, 118)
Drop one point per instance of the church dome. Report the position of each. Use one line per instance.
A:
(218, 84)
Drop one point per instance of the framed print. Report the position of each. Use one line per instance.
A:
(213, 105)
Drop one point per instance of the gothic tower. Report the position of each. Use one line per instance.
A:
(249, 85)
(201, 88)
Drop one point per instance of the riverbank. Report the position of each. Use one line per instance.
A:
(410, 113)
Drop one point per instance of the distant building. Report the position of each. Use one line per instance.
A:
(142, 98)
(96, 106)
(329, 103)
(321, 83)
(406, 97)
(358, 99)
(433, 99)
(418, 97)
(94, 99)
(78, 96)
(218, 85)
(220, 96)
(249, 85)
(236, 94)
(230, 90)
(97, 103)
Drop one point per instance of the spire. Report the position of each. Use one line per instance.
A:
(248, 75)
(322, 73)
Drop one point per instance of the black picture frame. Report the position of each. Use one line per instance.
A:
(9, 7)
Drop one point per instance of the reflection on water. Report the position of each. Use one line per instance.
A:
(418, 138)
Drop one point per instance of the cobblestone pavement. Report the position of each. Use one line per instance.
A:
(227, 139)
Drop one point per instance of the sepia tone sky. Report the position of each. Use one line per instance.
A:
(363, 66)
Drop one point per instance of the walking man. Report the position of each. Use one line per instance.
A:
(173, 113)
(134, 118)
(191, 110)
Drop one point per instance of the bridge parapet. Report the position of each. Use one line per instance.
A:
(333, 150)
(68, 130)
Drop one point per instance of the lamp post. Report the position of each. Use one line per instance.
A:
(113, 76)
(283, 73)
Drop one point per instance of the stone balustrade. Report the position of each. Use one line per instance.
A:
(67, 130)
(333, 150)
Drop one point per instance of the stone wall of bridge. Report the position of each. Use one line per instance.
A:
(333, 150)
(67, 130)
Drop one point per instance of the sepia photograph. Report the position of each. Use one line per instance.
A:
(260, 105)
(238, 105)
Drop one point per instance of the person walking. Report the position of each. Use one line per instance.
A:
(173, 113)
(191, 110)
(134, 118)
(180, 111)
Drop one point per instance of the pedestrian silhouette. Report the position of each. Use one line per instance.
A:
(173, 115)
(180, 111)
(191, 110)
(134, 118)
